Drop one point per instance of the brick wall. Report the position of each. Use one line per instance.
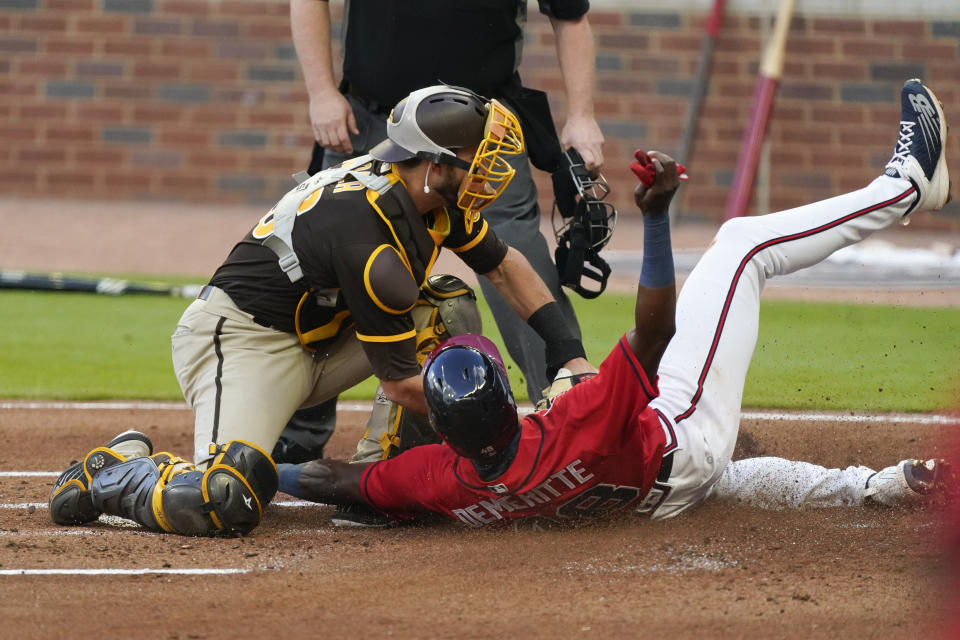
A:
(202, 100)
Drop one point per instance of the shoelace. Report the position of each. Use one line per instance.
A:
(903, 144)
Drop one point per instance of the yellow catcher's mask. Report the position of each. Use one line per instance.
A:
(431, 123)
(489, 173)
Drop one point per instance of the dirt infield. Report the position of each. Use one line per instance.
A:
(721, 571)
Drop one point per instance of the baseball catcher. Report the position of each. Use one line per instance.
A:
(333, 284)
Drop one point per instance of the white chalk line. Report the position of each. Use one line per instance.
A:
(118, 572)
(28, 474)
(116, 530)
(86, 406)
(365, 407)
(901, 418)
(140, 406)
(43, 505)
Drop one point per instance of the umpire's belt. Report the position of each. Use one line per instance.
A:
(373, 106)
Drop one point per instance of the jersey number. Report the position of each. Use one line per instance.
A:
(598, 501)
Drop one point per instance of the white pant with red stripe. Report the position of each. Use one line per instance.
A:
(703, 370)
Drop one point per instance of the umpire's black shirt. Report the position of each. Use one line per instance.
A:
(468, 43)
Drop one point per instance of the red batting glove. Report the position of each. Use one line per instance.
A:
(643, 168)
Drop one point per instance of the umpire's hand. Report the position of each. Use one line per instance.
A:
(333, 121)
(659, 180)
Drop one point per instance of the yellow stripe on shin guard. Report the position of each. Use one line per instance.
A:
(169, 466)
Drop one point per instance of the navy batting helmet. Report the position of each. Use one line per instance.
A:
(468, 396)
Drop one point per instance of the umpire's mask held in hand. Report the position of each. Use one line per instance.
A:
(430, 122)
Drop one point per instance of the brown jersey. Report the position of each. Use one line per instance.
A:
(364, 255)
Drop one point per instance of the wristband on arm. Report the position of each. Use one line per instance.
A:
(656, 270)
(562, 344)
(288, 478)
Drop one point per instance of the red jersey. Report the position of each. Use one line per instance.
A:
(596, 450)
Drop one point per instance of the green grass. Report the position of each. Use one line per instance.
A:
(815, 356)
(855, 357)
(79, 346)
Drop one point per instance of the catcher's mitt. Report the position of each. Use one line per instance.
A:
(562, 382)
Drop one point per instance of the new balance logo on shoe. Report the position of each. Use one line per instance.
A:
(918, 155)
(929, 126)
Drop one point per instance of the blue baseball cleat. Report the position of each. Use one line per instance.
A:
(918, 155)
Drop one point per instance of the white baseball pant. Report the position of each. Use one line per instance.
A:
(703, 370)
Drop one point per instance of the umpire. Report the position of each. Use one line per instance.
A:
(466, 43)
(324, 290)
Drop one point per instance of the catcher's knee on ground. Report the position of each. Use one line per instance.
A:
(447, 307)
(167, 494)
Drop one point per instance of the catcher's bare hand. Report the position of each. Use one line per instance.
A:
(579, 365)
(653, 197)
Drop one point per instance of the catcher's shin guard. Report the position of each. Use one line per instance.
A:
(452, 310)
(447, 307)
(391, 430)
(70, 499)
(126, 489)
(226, 499)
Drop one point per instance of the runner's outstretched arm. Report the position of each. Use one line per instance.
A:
(657, 289)
(326, 481)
